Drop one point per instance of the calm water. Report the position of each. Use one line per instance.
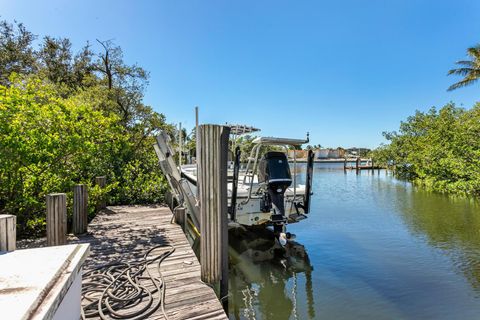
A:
(374, 248)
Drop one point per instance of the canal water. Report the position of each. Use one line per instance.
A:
(373, 247)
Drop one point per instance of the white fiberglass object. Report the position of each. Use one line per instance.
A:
(264, 192)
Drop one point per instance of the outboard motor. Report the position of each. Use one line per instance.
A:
(274, 171)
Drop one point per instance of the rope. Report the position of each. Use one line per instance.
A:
(119, 290)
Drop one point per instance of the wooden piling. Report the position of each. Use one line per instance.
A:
(373, 167)
(179, 213)
(101, 182)
(345, 165)
(357, 165)
(56, 219)
(169, 200)
(8, 232)
(80, 209)
(212, 187)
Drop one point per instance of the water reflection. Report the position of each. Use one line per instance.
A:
(381, 249)
(264, 277)
(451, 224)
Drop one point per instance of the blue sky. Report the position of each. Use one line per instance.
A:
(343, 70)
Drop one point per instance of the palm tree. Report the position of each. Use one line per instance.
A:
(470, 69)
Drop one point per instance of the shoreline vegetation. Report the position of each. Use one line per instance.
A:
(437, 149)
(440, 149)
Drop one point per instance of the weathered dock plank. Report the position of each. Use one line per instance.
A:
(124, 233)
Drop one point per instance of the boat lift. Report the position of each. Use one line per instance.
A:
(179, 185)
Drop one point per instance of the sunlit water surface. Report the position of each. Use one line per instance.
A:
(376, 248)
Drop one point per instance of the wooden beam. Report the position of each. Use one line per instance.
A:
(212, 185)
(8, 232)
(56, 219)
(179, 213)
(80, 209)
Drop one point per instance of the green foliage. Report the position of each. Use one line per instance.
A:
(16, 52)
(245, 142)
(141, 182)
(437, 149)
(48, 144)
(246, 145)
(66, 118)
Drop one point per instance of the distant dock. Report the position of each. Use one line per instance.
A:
(348, 163)
(333, 160)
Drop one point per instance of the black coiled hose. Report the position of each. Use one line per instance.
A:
(118, 290)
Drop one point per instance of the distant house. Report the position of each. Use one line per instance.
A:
(322, 153)
(300, 154)
(357, 152)
(329, 153)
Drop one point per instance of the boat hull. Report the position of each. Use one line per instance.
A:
(248, 205)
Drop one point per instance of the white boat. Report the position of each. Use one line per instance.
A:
(264, 192)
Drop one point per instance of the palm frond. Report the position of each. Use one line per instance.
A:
(465, 82)
(466, 63)
(461, 71)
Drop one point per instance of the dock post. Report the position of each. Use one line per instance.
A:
(8, 232)
(212, 187)
(357, 165)
(80, 209)
(179, 213)
(345, 165)
(56, 219)
(169, 200)
(373, 167)
(101, 182)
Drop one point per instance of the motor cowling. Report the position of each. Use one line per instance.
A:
(274, 171)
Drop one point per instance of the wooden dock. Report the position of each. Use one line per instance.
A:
(126, 232)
